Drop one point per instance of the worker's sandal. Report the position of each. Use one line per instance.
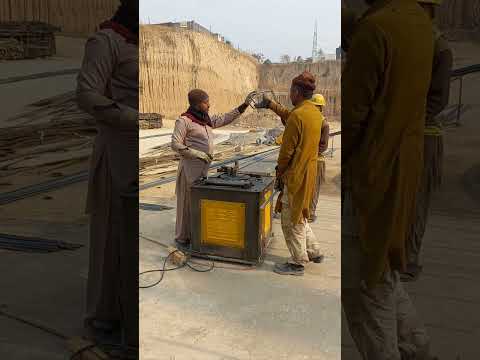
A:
(289, 269)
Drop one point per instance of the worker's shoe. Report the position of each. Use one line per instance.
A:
(316, 259)
(312, 218)
(289, 269)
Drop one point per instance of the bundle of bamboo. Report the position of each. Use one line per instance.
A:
(37, 39)
(11, 49)
(53, 135)
(73, 17)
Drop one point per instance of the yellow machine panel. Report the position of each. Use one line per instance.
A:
(267, 195)
(214, 217)
(267, 218)
(231, 216)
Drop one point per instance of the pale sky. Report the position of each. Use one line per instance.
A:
(272, 27)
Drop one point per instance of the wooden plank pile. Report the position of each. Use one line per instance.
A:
(74, 17)
(37, 39)
(55, 134)
(11, 49)
(150, 121)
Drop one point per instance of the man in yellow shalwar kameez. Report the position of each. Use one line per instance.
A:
(389, 65)
(437, 100)
(297, 168)
(319, 101)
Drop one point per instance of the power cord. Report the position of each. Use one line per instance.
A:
(162, 271)
(101, 346)
(82, 350)
(188, 262)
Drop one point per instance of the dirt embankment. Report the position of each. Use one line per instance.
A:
(172, 62)
(278, 78)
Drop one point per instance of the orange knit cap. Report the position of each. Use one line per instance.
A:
(305, 80)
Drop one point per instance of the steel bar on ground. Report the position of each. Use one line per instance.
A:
(36, 189)
(38, 76)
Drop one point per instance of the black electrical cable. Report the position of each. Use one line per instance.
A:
(100, 345)
(82, 350)
(162, 271)
(198, 270)
(233, 267)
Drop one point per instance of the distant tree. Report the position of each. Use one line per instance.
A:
(285, 59)
(299, 59)
(228, 42)
(259, 56)
(267, 62)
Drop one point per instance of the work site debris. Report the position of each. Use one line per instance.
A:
(150, 121)
(34, 244)
(55, 134)
(270, 137)
(11, 49)
(259, 118)
(36, 39)
(162, 160)
(243, 138)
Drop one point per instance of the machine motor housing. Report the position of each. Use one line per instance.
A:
(231, 217)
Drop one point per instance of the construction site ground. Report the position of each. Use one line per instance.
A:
(238, 312)
(447, 296)
(50, 287)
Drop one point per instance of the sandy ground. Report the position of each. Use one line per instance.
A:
(49, 288)
(236, 313)
(17, 95)
(446, 296)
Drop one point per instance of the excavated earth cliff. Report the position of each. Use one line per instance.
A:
(174, 61)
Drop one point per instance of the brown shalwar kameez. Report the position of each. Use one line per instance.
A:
(108, 89)
(189, 134)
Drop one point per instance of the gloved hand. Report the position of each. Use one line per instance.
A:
(250, 97)
(197, 154)
(265, 103)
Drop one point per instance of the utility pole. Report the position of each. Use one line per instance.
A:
(315, 43)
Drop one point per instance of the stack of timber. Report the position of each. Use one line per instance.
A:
(53, 135)
(150, 121)
(11, 49)
(36, 39)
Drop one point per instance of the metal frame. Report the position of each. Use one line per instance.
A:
(458, 74)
